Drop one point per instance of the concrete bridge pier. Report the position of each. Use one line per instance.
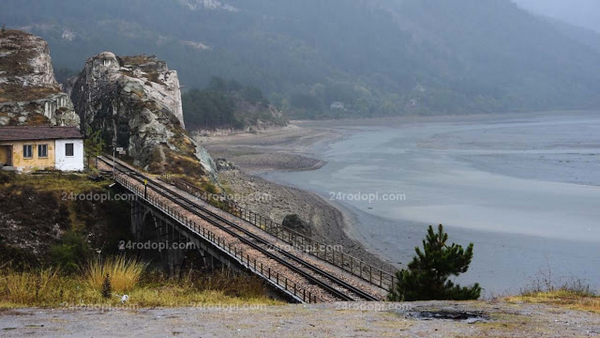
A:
(160, 239)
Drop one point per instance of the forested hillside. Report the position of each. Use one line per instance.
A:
(227, 104)
(338, 58)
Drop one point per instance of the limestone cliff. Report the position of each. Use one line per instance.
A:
(29, 93)
(136, 102)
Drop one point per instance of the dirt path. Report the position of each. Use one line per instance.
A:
(494, 319)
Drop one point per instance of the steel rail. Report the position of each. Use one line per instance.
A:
(216, 219)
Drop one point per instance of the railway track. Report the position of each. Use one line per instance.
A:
(331, 284)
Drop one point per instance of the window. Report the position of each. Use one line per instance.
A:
(42, 150)
(27, 151)
(69, 149)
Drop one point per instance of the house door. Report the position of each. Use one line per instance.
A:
(9, 153)
(6, 155)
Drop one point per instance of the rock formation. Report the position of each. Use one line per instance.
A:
(136, 102)
(29, 93)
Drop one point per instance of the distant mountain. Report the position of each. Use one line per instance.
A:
(581, 13)
(584, 35)
(336, 58)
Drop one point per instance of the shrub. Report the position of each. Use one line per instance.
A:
(294, 222)
(71, 253)
(5, 177)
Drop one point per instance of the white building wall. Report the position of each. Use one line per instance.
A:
(71, 163)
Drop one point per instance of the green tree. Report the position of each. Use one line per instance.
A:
(93, 144)
(254, 95)
(428, 273)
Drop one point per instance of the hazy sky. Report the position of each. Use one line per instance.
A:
(584, 13)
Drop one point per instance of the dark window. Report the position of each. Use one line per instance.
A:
(27, 151)
(42, 150)
(69, 149)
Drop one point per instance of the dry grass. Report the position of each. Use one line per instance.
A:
(125, 273)
(59, 183)
(28, 287)
(135, 60)
(13, 93)
(176, 163)
(51, 288)
(565, 298)
(192, 290)
(574, 295)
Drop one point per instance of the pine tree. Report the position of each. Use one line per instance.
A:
(428, 273)
(106, 287)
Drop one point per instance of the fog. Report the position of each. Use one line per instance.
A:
(585, 13)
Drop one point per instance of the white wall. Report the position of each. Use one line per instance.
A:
(74, 163)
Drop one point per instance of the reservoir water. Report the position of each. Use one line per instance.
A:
(524, 189)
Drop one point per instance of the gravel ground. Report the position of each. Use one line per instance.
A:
(492, 319)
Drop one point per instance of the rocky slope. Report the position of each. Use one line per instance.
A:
(29, 93)
(136, 102)
(38, 212)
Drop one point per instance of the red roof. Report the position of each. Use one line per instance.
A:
(26, 133)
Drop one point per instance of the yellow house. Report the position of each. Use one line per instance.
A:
(27, 148)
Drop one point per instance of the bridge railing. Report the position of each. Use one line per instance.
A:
(272, 275)
(328, 253)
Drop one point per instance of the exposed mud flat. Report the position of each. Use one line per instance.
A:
(283, 149)
(524, 188)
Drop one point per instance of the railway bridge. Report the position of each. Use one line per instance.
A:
(173, 215)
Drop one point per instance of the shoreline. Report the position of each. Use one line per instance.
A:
(502, 212)
(282, 150)
(304, 138)
(275, 149)
(392, 244)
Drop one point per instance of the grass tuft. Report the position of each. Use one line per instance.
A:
(125, 273)
(575, 295)
(28, 287)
